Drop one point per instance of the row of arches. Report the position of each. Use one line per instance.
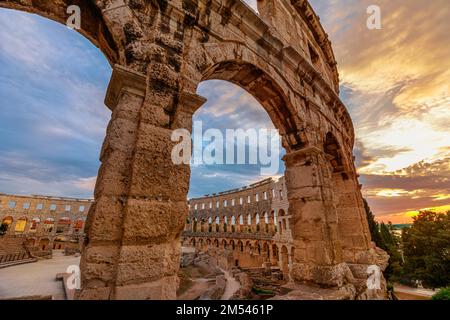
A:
(247, 253)
(49, 225)
(256, 223)
(49, 243)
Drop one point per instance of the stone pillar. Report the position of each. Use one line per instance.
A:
(140, 207)
(220, 224)
(290, 259)
(253, 225)
(353, 227)
(318, 255)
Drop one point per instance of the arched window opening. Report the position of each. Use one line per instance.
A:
(6, 224)
(49, 224)
(21, 223)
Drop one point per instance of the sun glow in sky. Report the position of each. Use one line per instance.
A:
(395, 83)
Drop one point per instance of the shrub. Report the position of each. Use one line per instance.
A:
(443, 294)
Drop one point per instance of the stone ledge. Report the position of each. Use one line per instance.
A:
(123, 77)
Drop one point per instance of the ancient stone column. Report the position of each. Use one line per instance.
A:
(353, 227)
(318, 255)
(134, 225)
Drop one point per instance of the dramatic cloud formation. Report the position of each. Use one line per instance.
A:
(395, 82)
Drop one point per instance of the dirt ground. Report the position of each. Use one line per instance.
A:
(193, 282)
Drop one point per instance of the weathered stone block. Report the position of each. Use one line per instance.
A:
(94, 294)
(106, 221)
(121, 135)
(128, 107)
(143, 263)
(152, 220)
(114, 174)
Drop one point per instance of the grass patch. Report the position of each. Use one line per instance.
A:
(259, 291)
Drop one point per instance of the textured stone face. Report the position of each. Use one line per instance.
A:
(161, 51)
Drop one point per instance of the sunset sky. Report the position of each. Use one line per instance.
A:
(394, 81)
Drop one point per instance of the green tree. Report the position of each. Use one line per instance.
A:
(384, 237)
(387, 236)
(373, 226)
(443, 294)
(426, 246)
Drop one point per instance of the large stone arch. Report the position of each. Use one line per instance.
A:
(161, 51)
(264, 86)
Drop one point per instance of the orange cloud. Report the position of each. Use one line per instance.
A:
(396, 84)
(406, 216)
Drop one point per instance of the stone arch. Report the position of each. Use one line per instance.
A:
(257, 222)
(6, 223)
(30, 242)
(225, 223)
(44, 244)
(49, 225)
(258, 247)
(248, 247)
(21, 224)
(240, 246)
(232, 245)
(266, 222)
(34, 224)
(95, 25)
(257, 79)
(233, 223)
(63, 225)
(217, 224)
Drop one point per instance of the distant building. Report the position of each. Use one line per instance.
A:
(246, 227)
(44, 222)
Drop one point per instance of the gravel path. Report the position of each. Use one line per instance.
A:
(232, 286)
